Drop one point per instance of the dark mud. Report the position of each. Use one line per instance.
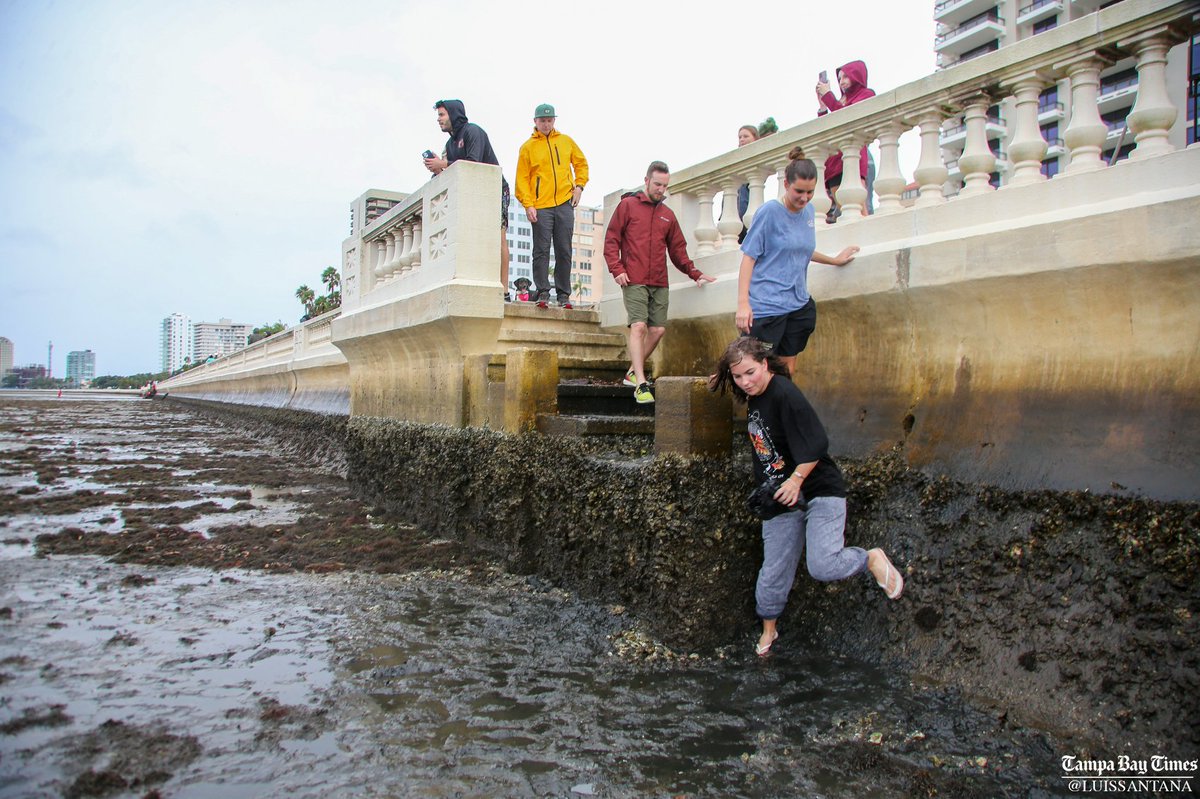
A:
(417, 666)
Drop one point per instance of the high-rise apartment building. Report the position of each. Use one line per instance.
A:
(586, 282)
(971, 28)
(219, 338)
(176, 342)
(6, 356)
(81, 368)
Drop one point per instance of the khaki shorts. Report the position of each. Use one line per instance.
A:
(646, 304)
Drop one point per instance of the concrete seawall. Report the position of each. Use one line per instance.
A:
(1064, 610)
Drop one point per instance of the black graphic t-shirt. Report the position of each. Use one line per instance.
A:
(784, 431)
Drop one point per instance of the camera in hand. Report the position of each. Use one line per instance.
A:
(762, 502)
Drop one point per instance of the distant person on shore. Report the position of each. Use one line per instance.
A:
(469, 142)
(551, 174)
(852, 80)
(790, 454)
(640, 235)
(774, 304)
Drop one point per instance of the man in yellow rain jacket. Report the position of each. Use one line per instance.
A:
(551, 174)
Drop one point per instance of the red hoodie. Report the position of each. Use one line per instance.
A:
(856, 71)
(639, 235)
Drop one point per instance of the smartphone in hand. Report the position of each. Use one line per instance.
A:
(823, 77)
(428, 154)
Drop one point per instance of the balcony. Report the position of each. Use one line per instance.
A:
(970, 35)
(1117, 95)
(1039, 10)
(1115, 129)
(1050, 112)
(956, 136)
(954, 12)
(1002, 164)
(1055, 148)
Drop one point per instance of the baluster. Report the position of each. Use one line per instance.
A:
(415, 262)
(931, 172)
(1086, 133)
(757, 180)
(706, 232)
(729, 226)
(397, 250)
(820, 201)
(889, 182)
(1028, 147)
(383, 254)
(852, 194)
(1153, 114)
(405, 259)
(977, 162)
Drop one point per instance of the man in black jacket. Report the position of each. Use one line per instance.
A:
(469, 142)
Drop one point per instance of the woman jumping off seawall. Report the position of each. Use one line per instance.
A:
(790, 449)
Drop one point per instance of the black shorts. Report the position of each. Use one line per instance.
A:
(787, 334)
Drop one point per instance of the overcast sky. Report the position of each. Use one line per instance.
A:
(200, 156)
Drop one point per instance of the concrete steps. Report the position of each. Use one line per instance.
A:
(592, 402)
(574, 334)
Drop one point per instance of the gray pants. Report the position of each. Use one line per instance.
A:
(554, 224)
(823, 527)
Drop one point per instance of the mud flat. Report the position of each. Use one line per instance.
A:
(187, 611)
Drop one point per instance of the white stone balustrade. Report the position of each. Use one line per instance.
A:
(446, 231)
(1076, 51)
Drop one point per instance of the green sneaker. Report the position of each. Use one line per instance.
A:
(631, 379)
(642, 394)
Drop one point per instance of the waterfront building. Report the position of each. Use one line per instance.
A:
(176, 347)
(6, 356)
(219, 338)
(27, 374)
(967, 29)
(81, 368)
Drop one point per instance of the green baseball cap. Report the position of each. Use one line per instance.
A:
(544, 110)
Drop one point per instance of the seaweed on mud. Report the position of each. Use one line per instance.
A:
(53, 716)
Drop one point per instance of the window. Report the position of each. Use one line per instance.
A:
(1043, 25)
(1050, 167)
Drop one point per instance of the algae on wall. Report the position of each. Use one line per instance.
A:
(668, 537)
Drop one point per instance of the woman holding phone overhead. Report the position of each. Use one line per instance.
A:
(852, 80)
(774, 305)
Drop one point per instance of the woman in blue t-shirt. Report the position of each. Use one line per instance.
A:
(774, 305)
(791, 450)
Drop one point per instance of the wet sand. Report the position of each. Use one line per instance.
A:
(186, 613)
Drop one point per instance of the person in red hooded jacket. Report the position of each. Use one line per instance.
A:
(852, 80)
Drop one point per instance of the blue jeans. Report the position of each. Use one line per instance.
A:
(823, 528)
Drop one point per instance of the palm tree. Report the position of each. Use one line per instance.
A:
(331, 279)
(306, 296)
(581, 291)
